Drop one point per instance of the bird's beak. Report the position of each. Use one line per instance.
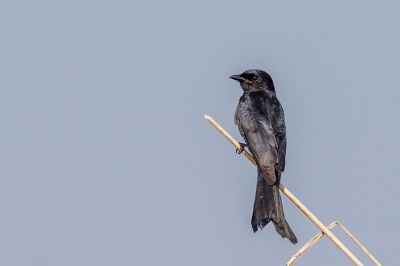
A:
(238, 78)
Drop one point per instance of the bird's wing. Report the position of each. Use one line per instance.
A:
(281, 151)
(259, 135)
(264, 147)
(278, 124)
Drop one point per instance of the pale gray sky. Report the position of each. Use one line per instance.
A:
(106, 158)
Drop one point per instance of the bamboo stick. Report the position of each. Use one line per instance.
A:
(292, 198)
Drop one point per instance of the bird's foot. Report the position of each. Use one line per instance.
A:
(241, 149)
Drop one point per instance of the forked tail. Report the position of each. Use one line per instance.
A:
(268, 207)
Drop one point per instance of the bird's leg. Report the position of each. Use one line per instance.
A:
(242, 146)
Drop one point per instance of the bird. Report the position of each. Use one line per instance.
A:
(261, 122)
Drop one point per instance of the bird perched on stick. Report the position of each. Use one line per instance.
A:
(260, 119)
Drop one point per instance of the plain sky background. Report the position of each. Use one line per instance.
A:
(105, 158)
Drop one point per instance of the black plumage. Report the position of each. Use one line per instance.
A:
(260, 119)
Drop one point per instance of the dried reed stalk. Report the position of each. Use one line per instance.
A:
(308, 245)
(292, 198)
(315, 239)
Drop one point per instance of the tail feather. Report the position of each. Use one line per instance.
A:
(268, 207)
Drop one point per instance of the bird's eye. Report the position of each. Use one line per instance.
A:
(254, 77)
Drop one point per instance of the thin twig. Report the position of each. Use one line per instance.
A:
(291, 197)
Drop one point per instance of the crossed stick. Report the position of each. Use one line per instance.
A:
(324, 230)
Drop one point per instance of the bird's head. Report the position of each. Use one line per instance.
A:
(253, 80)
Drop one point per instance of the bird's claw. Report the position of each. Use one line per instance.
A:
(241, 149)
